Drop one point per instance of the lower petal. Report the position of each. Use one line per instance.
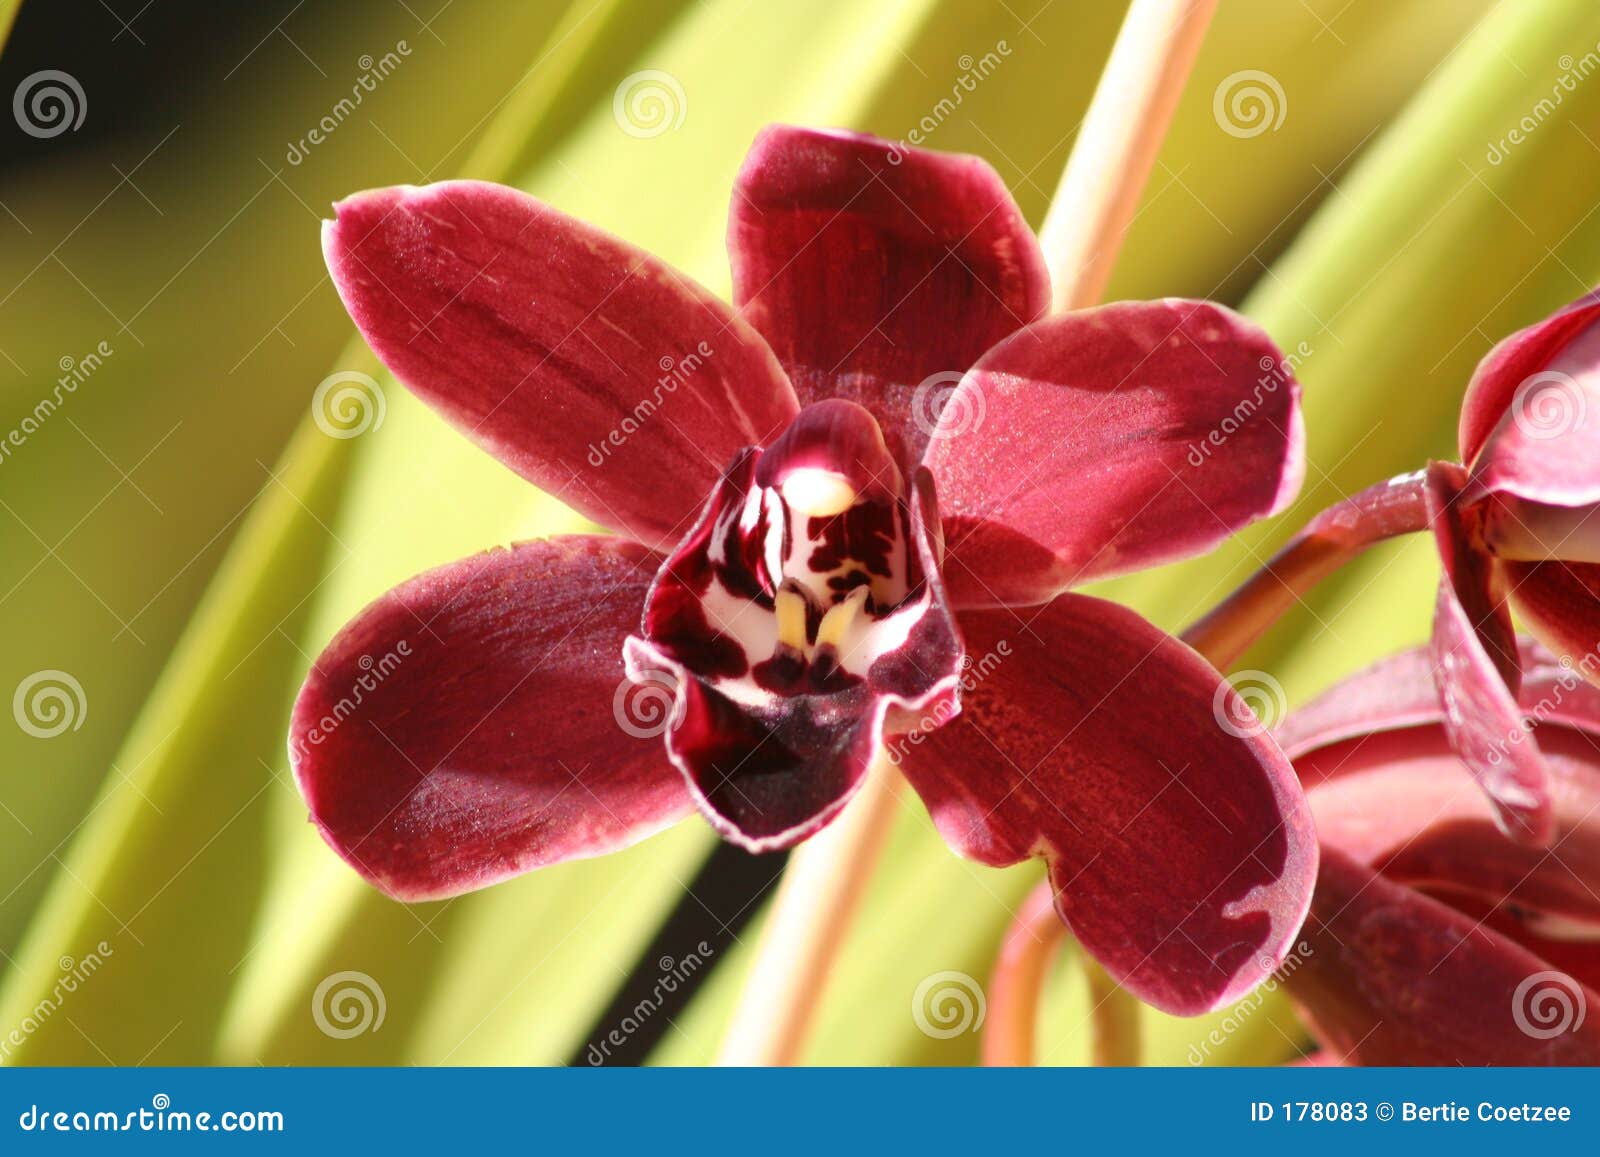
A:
(475, 722)
(1393, 977)
(1178, 842)
(1560, 603)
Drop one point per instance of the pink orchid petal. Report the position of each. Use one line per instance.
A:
(1394, 977)
(1530, 423)
(590, 368)
(1412, 815)
(473, 723)
(1111, 440)
(1511, 362)
(879, 274)
(1182, 853)
(1560, 603)
(1477, 671)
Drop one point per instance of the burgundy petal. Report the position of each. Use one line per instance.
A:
(1476, 668)
(1110, 440)
(595, 371)
(795, 638)
(1180, 848)
(472, 723)
(1560, 603)
(877, 273)
(1394, 977)
(1530, 423)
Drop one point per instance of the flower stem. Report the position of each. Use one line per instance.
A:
(1329, 541)
(1083, 230)
(806, 927)
(1035, 937)
(1117, 145)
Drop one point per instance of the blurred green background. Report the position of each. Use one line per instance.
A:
(179, 538)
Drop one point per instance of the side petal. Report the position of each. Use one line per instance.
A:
(1529, 411)
(593, 370)
(879, 274)
(1477, 670)
(1393, 977)
(1110, 440)
(473, 723)
(1180, 847)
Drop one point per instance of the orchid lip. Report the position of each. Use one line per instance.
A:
(802, 608)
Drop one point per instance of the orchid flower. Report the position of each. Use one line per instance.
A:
(1433, 939)
(846, 512)
(1519, 527)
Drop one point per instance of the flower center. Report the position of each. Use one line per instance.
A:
(800, 574)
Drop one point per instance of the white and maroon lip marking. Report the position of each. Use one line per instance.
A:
(805, 604)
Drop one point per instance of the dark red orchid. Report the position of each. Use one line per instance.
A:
(1519, 527)
(1434, 939)
(826, 500)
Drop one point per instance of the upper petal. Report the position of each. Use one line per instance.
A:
(1560, 603)
(1530, 422)
(877, 273)
(1477, 670)
(475, 722)
(1179, 844)
(589, 367)
(1109, 440)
